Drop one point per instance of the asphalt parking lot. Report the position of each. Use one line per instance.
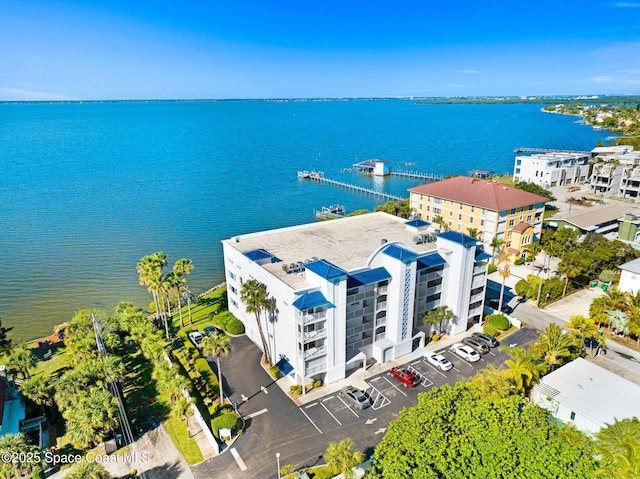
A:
(300, 434)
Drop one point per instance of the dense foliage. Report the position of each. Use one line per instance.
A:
(535, 189)
(455, 434)
(400, 208)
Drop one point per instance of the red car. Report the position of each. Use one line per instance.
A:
(405, 376)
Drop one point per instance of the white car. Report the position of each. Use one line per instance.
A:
(196, 338)
(438, 361)
(465, 352)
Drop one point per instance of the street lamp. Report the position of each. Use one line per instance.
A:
(278, 460)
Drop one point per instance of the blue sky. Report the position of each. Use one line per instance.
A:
(139, 49)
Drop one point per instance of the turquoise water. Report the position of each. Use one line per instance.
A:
(87, 189)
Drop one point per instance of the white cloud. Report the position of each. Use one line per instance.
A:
(469, 72)
(626, 5)
(602, 79)
(20, 94)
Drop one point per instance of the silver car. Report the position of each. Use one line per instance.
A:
(356, 397)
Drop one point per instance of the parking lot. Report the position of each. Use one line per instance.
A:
(388, 395)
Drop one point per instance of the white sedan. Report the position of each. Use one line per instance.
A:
(465, 352)
(439, 361)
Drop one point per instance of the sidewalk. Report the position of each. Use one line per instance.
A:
(358, 377)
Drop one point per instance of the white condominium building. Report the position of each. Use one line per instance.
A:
(552, 169)
(348, 290)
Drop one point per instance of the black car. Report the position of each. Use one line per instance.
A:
(493, 303)
(486, 339)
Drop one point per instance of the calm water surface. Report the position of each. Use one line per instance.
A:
(87, 189)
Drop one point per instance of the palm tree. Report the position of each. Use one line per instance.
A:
(254, 295)
(38, 389)
(175, 280)
(88, 470)
(441, 222)
(185, 266)
(519, 374)
(504, 268)
(554, 346)
(21, 360)
(342, 456)
(151, 275)
(569, 267)
(619, 447)
(474, 232)
(218, 345)
(496, 247)
(23, 453)
(437, 316)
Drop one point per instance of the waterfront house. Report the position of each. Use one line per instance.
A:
(557, 168)
(352, 290)
(493, 209)
(630, 277)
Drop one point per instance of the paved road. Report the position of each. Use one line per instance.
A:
(301, 434)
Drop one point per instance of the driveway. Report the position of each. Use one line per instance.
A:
(301, 434)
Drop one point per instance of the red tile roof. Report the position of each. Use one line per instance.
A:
(513, 251)
(521, 227)
(483, 193)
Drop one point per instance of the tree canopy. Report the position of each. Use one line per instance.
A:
(455, 434)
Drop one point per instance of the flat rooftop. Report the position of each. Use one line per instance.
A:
(595, 392)
(346, 242)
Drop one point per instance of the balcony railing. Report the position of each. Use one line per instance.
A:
(382, 289)
(381, 305)
(315, 352)
(314, 369)
(313, 335)
(312, 317)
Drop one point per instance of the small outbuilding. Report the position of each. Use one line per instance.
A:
(587, 395)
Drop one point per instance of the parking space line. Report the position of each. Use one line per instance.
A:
(422, 379)
(329, 412)
(239, 461)
(379, 395)
(314, 424)
(348, 407)
(395, 387)
(434, 368)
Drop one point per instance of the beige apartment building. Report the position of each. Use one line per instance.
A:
(485, 207)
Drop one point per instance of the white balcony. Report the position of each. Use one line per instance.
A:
(313, 335)
(315, 352)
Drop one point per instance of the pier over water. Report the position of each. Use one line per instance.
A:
(319, 177)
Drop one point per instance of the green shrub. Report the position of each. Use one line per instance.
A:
(518, 262)
(226, 420)
(606, 276)
(318, 383)
(499, 321)
(492, 268)
(490, 329)
(296, 389)
(523, 288)
(275, 373)
(229, 323)
(435, 337)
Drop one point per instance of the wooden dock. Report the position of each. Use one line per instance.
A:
(416, 174)
(320, 178)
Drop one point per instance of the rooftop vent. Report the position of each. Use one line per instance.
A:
(383, 241)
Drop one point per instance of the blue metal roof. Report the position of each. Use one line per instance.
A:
(459, 238)
(482, 255)
(326, 270)
(284, 366)
(310, 301)
(430, 261)
(417, 223)
(260, 254)
(369, 276)
(399, 253)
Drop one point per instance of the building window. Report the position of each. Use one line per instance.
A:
(232, 275)
(471, 219)
(428, 207)
(451, 202)
(449, 224)
(528, 218)
(437, 201)
(530, 207)
(437, 211)
(511, 222)
(450, 213)
(473, 208)
(459, 227)
(234, 303)
(484, 211)
(513, 211)
(460, 217)
(460, 205)
(481, 222)
(573, 416)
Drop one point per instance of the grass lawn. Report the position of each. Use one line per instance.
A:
(177, 430)
(210, 304)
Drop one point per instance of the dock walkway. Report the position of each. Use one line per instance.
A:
(319, 177)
